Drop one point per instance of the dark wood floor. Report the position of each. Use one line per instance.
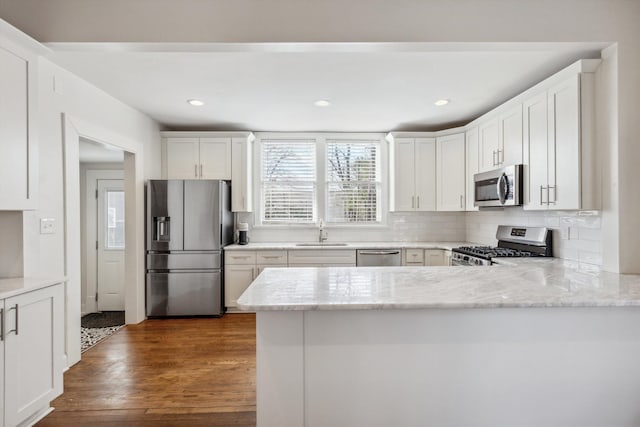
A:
(173, 372)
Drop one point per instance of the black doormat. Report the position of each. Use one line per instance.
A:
(103, 320)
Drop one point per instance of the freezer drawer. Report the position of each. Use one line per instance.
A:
(178, 261)
(184, 294)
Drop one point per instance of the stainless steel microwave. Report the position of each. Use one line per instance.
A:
(498, 187)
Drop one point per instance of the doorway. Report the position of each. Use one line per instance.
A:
(103, 234)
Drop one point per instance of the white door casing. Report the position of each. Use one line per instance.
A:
(74, 129)
(110, 246)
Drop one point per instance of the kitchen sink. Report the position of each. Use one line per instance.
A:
(321, 244)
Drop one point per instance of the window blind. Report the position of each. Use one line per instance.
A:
(288, 181)
(353, 181)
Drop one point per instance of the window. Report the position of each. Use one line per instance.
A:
(307, 177)
(288, 182)
(114, 236)
(353, 181)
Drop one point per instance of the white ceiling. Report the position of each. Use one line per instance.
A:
(272, 87)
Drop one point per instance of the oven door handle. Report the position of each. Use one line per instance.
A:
(503, 188)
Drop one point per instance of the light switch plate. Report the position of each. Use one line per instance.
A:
(47, 225)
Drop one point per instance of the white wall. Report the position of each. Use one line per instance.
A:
(11, 244)
(64, 98)
(44, 254)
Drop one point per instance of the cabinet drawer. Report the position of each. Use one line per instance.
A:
(240, 257)
(413, 256)
(271, 258)
(322, 257)
(434, 257)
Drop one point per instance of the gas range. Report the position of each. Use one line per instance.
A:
(512, 242)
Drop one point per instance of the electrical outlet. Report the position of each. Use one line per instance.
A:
(47, 225)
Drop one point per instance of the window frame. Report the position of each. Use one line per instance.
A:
(320, 207)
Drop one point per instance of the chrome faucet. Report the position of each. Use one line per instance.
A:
(323, 235)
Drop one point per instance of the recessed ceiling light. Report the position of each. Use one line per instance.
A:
(195, 102)
(322, 103)
(441, 102)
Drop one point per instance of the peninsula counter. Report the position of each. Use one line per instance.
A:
(536, 343)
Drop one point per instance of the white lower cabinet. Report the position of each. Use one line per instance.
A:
(242, 267)
(322, 258)
(425, 257)
(33, 352)
(434, 257)
(237, 279)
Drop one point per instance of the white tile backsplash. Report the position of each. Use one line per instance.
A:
(576, 234)
(406, 226)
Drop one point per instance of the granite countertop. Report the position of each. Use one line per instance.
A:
(19, 285)
(350, 245)
(530, 282)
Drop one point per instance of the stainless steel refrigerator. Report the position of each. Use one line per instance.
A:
(188, 224)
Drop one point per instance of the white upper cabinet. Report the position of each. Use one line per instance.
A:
(198, 158)
(451, 172)
(242, 174)
(18, 146)
(413, 184)
(489, 145)
(215, 158)
(500, 140)
(536, 152)
(425, 164)
(559, 149)
(183, 158)
(563, 145)
(212, 155)
(472, 165)
(510, 147)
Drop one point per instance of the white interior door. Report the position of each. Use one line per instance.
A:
(111, 232)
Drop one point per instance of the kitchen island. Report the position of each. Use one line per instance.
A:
(536, 343)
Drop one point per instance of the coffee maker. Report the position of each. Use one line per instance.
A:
(243, 233)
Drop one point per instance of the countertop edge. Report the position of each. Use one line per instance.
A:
(474, 306)
(266, 246)
(13, 286)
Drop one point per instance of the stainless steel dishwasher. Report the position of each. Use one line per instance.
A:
(378, 257)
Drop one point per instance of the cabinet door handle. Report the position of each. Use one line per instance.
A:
(271, 256)
(16, 329)
(200, 170)
(413, 202)
(555, 194)
(418, 203)
(195, 171)
(1, 324)
(461, 205)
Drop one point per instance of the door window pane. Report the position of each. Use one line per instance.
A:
(115, 219)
